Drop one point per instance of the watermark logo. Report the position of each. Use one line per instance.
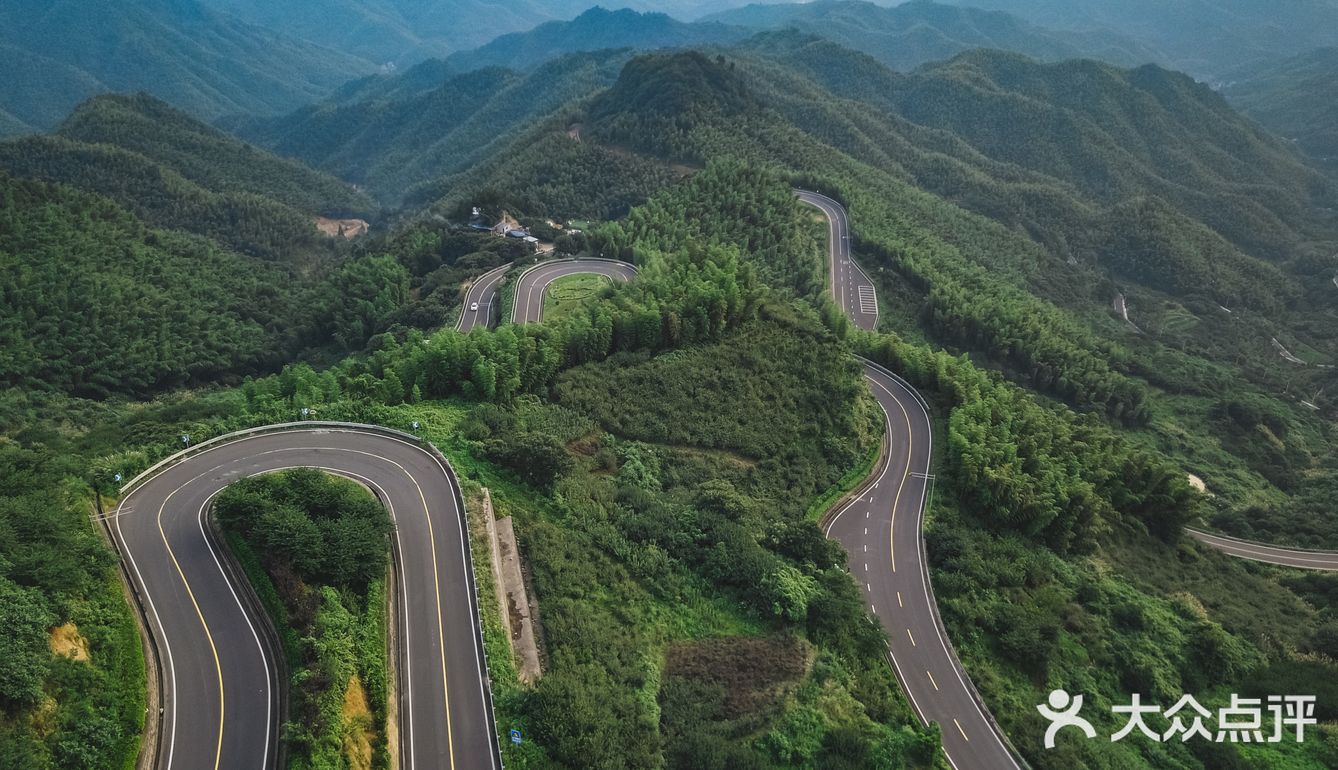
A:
(1063, 712)
(1243, 721)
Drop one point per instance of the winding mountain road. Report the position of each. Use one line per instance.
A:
(532, 285)
(851, 287)
(483, 294)
(1300, 558)
(880, 530)
(220, 706)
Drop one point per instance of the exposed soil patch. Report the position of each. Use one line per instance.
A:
(755, 673)
(1197, 483)
(342, 228)
(359, 734)
(66, 642)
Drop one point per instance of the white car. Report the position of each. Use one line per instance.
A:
(473, 307)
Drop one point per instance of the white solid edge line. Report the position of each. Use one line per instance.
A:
(929, 602)
(270, 679)
(474, 622)
(162, 631)
(924, 569)
(534, 279)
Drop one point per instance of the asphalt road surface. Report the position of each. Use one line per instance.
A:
(219, 700)
(483, 292)
(851, 287)
(880, 530)
(533, 283)
(1271, 554)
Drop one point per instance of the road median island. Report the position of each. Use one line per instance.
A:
(317, 547)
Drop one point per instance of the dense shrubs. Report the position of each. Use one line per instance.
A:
(55, 571)
(329, 533)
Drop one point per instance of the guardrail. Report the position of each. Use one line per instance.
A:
(306, 425)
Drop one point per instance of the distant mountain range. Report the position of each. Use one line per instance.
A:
(407, 31)
(594, 29)
(902, 37)
(428, 130)
(56, 53)
(905, 36)
(1205, 38)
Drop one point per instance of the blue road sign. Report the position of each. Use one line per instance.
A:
(515, 736)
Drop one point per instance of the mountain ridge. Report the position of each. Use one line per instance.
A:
(199, 60)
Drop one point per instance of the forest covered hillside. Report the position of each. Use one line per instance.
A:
(406, 32)
(1145, 188)
(177, 173)
(1296, 97)
(1189, 393)
(390, 145)
(1204, 39)
(146, 250)
(1113, 290)
(593, 30)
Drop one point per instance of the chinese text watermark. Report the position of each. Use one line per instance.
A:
(1243, 721)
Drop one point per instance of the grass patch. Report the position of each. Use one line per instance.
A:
(848, 483)
(572, 292)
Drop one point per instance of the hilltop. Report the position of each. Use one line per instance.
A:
(389, 145)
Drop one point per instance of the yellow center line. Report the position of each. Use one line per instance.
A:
(436, 584)
(441, 629)
(213, 648)
(910, 451)
(209, 635)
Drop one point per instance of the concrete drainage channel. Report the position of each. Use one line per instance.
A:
(517, 607)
